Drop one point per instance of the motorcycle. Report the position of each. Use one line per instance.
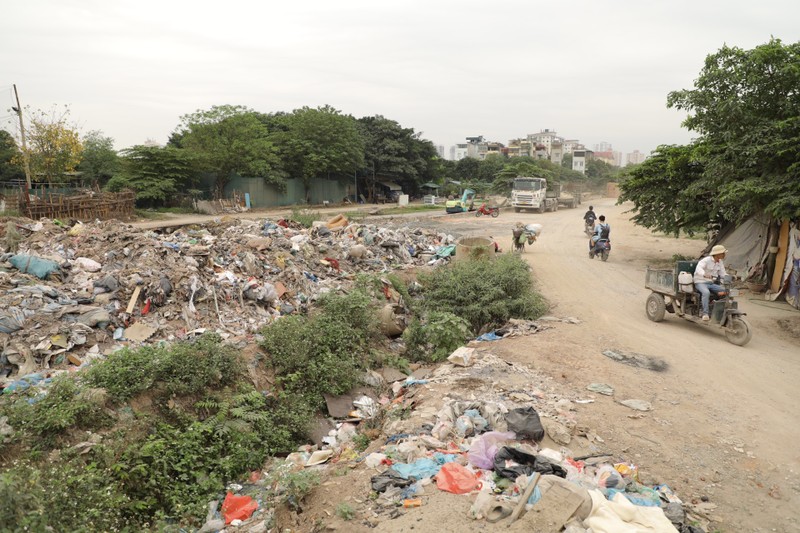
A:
(588, 227)
(494, 212)
(671, 293)
(602, 248)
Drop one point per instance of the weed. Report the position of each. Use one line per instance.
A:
(681, 257)
(485, 293)
(304, 217)
(345, 512)
(361, 442)
(294, 486)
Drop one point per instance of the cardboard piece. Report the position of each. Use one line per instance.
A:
(133, 300)
(139, 332)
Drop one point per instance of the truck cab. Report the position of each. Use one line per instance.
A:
(531, 193)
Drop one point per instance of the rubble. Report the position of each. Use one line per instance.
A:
(70, 294)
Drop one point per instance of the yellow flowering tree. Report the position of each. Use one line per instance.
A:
(54, 146)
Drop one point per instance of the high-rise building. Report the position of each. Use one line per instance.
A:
(635, 157)
(440, 150)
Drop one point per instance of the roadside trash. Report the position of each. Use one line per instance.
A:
(89, 265)
(456, 479)
(425, 467)
(484, 448)
(416, 502)
(511, 463)
(37, 266)
(637, 405)
(11, 320)
(390, 478)
(601, 388)
(319, 457)
(462, 356)
(524, 421)
(237, 507)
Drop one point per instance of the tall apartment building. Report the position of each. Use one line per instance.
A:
(440, 150)
(635, 157)
(458, 152)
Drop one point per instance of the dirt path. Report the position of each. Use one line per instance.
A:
(724, 423)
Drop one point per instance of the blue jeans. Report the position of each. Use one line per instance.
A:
(705, 293)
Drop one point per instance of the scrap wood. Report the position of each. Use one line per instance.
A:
(524, 499)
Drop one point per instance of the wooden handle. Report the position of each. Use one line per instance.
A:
(527, 494)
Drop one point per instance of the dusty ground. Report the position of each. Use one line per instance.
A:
(724, 423)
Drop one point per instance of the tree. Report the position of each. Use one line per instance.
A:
(665, 193)
(746, 108)
(10, 169)
(318, 143)
(227, 140)
(99, 161)
(53, 146)
(521, 166)
(154, 173)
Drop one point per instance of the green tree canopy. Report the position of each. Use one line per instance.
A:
(99, 161)
(227, 140)
(154, 173)
(318, 143)
(10, 168)
(745, 107)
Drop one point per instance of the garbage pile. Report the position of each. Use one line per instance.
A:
(478, 426)
(69, 294)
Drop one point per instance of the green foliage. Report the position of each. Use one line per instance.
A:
(178, 369)
(294, 485)
(318, 143)
(746, 110)
(44, 419)
(313, 355)
(665, 191)
(226, 140)
(10, 159)
(99, 161)
(484, 292)
(361, 442)
(150, 468)
(305, 217)
(154, 173)
(345, 512)
(436, 336)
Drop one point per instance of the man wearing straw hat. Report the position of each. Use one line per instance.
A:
(707, 275)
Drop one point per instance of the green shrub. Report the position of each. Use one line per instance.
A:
(182, 368)
(485, 293)
(320, 354)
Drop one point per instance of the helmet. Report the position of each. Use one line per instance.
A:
(591, 208)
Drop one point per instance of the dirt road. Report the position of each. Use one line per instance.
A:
(724, 424)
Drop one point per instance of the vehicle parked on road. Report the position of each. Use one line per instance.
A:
(486, 210)
(532, 193)
(460, 205)
(674, 291)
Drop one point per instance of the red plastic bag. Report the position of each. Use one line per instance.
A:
(456, 479)
(238, 507)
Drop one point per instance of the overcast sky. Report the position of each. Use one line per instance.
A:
(590, 70)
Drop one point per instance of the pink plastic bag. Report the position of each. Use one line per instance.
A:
(456, 479)
(238, 507)
(484, 448)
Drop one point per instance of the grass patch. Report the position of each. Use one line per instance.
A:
(409, 209)
(305, 217)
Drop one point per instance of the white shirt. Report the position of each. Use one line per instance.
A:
(708, 270)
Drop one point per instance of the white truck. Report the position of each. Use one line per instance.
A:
(531, 193)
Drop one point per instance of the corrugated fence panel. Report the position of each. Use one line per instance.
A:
(265, 195)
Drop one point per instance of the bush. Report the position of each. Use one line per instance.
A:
(485, 293)
(440, 334)
(304, 217)
(321, 354)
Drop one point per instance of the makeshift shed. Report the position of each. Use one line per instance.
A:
(763, 250)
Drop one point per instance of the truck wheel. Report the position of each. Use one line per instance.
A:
(541, 209)
(555, 207)
(738, 331)
(655, 307)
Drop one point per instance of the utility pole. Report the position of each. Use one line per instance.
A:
(25, 157)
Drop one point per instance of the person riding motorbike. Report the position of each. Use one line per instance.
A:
(708, 271)
(588, 220)
(601, 231)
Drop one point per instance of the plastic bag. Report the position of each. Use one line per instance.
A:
(238, 507)
(524, 421)
(511, 463)
(456, 479)
(607, 477)
(41, 268)
(484, 448)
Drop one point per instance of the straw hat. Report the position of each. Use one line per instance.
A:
(718, 250)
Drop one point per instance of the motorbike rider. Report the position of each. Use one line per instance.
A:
(601, 231)
(709, 270)
(589, 217)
